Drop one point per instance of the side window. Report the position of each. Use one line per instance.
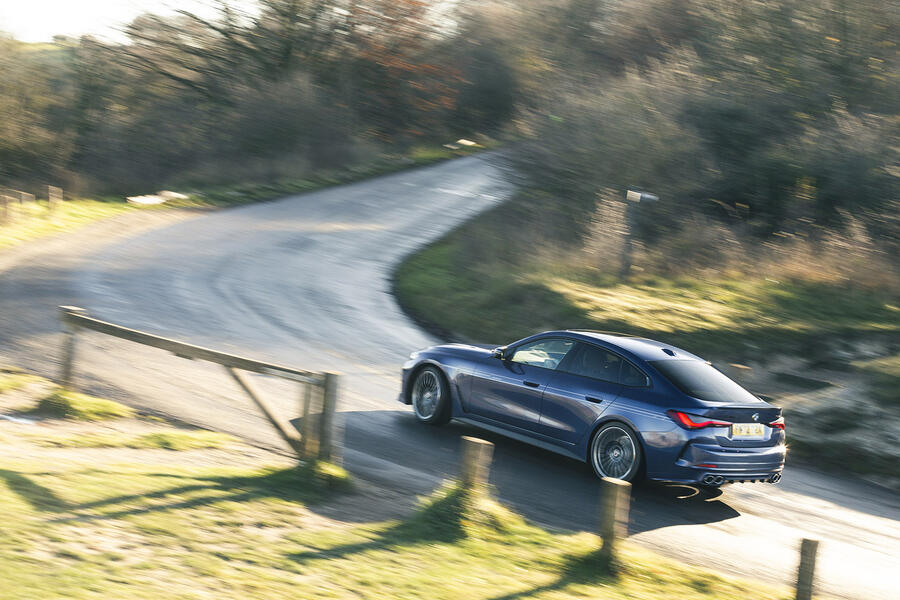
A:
(543, 353)
(596, 363)
(632, 376)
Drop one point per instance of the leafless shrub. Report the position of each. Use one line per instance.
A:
(850, 256)
(706, 248)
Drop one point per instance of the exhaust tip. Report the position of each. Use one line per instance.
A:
(719, 480)
(709, 479)
(775, 478)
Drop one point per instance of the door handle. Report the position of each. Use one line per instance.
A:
(592, 399)
(533, 384)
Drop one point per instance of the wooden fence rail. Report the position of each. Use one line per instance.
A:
(319, 394)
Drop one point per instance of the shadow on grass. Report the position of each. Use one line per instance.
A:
(579, 569)
(39, 497)
(308, 484)
(439, 521)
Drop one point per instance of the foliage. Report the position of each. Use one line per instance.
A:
(282, 91)
(772, 116)
(777, 115)
(884, 378)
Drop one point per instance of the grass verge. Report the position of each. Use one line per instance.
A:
(167, 440)
(86, 519)
(33, 219)
(66, 404)
(80, 530)
(12, 379)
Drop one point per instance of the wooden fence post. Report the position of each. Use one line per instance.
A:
(615, 497)
(327, 419)
(476, 463)
(68, 348)
(307, 431)
(54, 195)
(807, 569)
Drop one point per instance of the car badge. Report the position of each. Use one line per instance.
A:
(756, 416)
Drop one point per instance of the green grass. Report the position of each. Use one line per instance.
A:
(67, 404)
(484, 296)
(167, 440)
(884, 378)
(83, 530)
(33, 219)
(14, 379)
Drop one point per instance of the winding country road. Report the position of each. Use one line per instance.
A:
(305, 281)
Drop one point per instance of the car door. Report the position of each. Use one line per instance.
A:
(582, 388)
(509, 390)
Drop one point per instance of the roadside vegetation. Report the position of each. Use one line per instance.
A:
(32, 220)
(88, 512)
(249, 97)
(66, 404)
(731, 316)
(35, 219)
(883, 377)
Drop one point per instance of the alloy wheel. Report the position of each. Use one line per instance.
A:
(613, 453)
(426, 395)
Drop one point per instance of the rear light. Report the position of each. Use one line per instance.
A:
(687, 421)
(777, 423)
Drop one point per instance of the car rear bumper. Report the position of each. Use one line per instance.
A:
(731, 464)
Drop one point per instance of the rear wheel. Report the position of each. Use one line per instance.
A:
(615, 452)
(430, 396)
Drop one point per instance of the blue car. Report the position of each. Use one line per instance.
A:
(630, 407)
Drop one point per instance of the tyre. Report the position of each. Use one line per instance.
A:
(430, 396)
(615, 452)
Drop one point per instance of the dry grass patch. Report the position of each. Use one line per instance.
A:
(66, 404)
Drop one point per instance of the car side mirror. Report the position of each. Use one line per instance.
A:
(499, 352)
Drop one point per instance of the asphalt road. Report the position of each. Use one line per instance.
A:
(304, 281)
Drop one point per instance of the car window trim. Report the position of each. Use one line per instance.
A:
(648, 384)
(582, 343)
(543, 339)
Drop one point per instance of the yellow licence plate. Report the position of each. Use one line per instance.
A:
(747, 430)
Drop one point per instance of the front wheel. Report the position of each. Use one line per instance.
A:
(430, 396)
(616, 452)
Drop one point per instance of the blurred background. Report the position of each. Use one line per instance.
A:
(720, 175)
(768, 130)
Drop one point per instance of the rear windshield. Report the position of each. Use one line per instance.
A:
(703, 381)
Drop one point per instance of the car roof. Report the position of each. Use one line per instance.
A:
(639, 347)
